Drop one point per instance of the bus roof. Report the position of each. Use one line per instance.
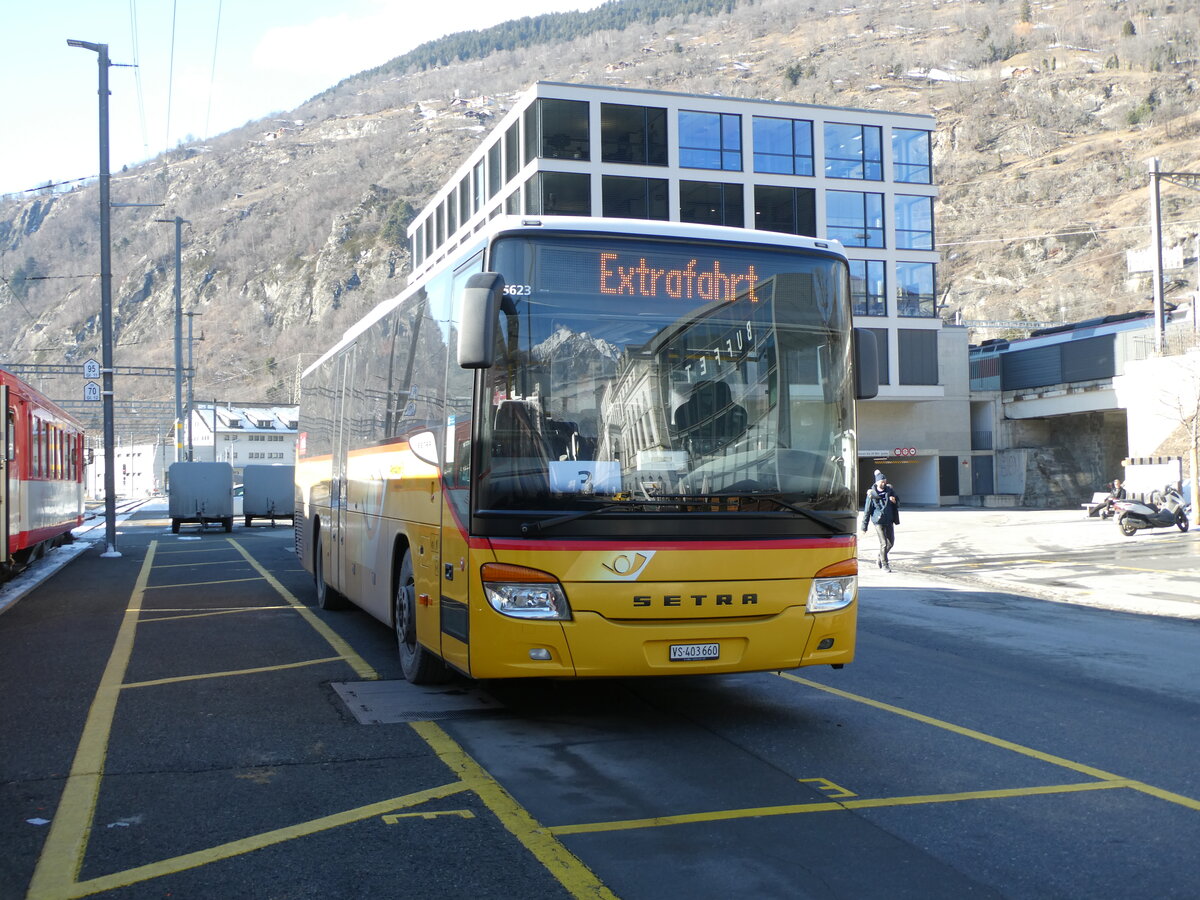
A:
(531, 225)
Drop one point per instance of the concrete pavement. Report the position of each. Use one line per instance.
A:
(1059, 555)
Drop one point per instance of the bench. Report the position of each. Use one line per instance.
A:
(1097, 501)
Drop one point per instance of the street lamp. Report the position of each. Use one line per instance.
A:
(106, 370)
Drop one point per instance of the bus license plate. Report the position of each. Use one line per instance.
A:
(694, 651)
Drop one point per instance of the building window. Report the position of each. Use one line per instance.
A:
(464, 199)
(881, 352)
(710, 141)
(451, 213)
(784, 146)
(557, 129)
(790, 210)
(868, 287)
(915, 290)
(918, 355)
(635, 198)
(712, 203)
(854, 218)
(914, 222)
(559, 194)
(495, 172)
(853, 151)
(480, 187)
(512, 151)
(911, 161)
(633, 134)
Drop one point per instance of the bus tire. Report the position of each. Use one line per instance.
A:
(327, 597)
(419, 664)
(174, 526)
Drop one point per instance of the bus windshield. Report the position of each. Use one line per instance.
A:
(667, 375)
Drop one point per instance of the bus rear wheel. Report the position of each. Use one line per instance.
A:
(420, 666)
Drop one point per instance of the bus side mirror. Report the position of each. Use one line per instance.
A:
(865, 359)
(477, 330)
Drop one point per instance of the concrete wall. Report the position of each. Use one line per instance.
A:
(1065, 458)
(1158, 394)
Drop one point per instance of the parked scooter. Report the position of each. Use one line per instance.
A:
(1160, 513)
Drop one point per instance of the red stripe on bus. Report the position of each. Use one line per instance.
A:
(782, 544)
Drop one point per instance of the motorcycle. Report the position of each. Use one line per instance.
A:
(1163, 510)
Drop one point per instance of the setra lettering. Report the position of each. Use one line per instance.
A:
(674, 600)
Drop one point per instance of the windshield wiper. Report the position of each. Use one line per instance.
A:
(542, 524)
(820, 518)
(672, 500)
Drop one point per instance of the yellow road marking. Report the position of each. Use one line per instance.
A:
(189, 551)
(189, 565)
(570, 871)
(212, 612)
(828, 788)
(256, 671)
(245, 845)
(62, 854)
(793, 809)
(340, 647)
(1169, 796)
(189, 584)
(394, 818)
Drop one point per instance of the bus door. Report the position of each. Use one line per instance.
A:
(456, 563)
(7, 460)
(339, 488)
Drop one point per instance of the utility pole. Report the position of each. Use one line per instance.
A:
(1183, 179)
(1160, 324)
(178, 435)
(106, 370)
(190, 384)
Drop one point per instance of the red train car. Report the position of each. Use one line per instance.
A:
(41, 498)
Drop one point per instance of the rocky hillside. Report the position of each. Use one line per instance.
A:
(1046, 117)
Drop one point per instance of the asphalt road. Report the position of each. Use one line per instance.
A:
(181, 723)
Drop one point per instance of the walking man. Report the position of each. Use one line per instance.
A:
(882, 509)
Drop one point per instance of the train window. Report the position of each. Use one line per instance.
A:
(35, 443)
(11, 436)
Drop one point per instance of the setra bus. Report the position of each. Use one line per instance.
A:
(41, 497)
(588, 447)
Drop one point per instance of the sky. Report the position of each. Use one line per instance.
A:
(202, 68)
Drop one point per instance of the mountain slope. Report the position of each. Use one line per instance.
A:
(297, 223)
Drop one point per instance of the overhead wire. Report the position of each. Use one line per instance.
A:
(171, 74)
(137, 75)
(212, 78)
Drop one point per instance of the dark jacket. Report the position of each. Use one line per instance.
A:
(879, 507)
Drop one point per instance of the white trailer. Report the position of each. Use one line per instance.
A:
(268, 492)
(201, 493)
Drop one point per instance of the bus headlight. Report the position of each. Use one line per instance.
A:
(832, 593)
(834, 587)
(524, 593)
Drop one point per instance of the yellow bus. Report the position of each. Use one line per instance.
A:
(583, 447)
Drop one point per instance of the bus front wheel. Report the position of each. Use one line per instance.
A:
(419, 665)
